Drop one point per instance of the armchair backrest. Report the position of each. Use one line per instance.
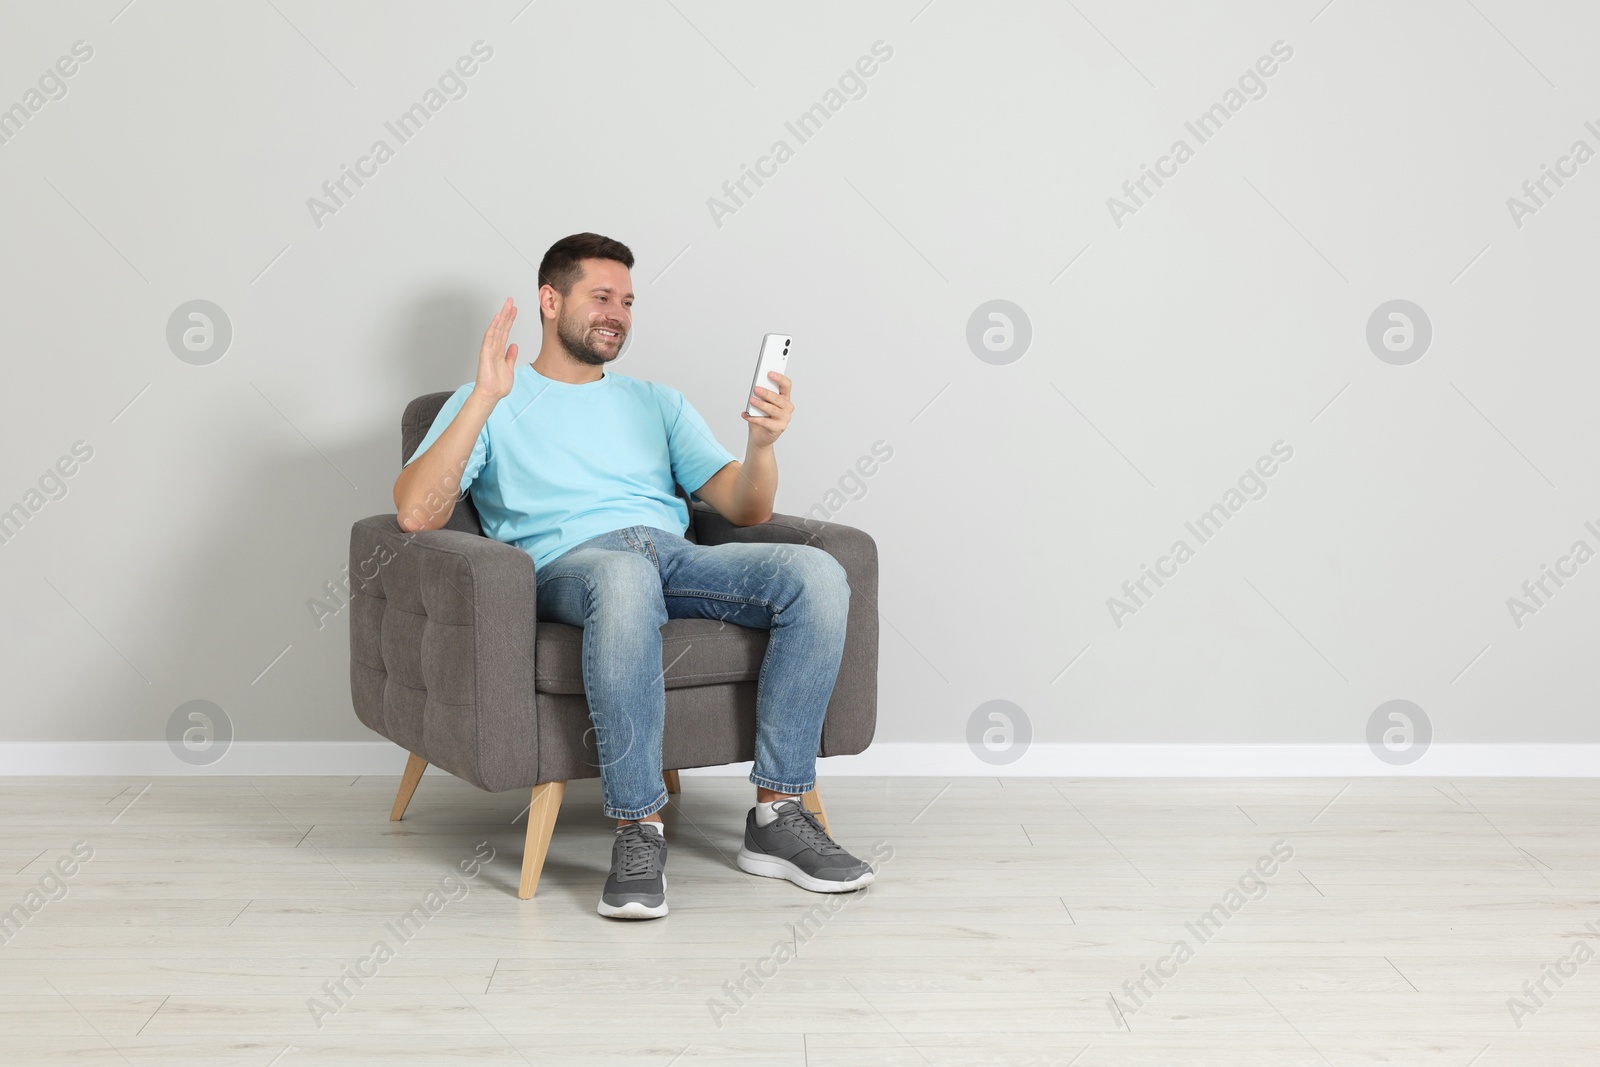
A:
(414, 426)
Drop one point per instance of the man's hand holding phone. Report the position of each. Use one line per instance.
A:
(764, 429)
(769, 408)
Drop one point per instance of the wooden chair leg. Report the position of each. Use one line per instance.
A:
(671, 779)
(541, 823)
(408, 785)
(812, 802)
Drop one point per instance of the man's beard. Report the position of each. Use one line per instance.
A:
(574, 337)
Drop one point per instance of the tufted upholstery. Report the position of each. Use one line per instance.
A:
(448, 661)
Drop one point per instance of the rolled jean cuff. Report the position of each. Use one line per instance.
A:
(638, 813)
(782, 787)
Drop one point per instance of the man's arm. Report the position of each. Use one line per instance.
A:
(743, 493)
(425, 493)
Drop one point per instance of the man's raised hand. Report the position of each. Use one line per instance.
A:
(497, 363)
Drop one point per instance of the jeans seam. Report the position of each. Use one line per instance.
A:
(761, 681)
(708, 595)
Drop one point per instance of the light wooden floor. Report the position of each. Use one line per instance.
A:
(214, 909)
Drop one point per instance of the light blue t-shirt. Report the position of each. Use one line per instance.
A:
(557, 463)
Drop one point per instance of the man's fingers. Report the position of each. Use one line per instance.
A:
(500, 328)
(777, 400)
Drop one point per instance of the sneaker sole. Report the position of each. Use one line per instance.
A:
(634, 909)
(631, 910)
(777, 867)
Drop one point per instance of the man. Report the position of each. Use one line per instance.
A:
(575, 464)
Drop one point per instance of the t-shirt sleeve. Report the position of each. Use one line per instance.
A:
(696, 453)
(441, 422)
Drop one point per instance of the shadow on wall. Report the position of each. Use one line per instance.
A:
(261, 630)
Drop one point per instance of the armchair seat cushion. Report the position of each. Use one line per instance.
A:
(694, 651)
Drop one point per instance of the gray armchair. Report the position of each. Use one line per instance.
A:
(448, 660)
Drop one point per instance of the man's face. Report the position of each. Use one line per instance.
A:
(593, 319)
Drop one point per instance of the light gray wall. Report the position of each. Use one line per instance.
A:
(1170, 348)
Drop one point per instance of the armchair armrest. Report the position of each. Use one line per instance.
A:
(853, 709)
(442, 628)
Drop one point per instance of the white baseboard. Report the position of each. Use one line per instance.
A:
(1107, 760)
(888, 759)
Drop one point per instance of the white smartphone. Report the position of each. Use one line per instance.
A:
(774, 356)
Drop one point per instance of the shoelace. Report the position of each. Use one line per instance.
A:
(796, 817)
(639, 851)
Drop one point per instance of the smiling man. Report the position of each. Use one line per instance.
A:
(576, 465)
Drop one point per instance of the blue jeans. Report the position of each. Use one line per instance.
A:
(623, 586)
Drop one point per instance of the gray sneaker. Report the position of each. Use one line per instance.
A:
(637, 887)
(796, 847)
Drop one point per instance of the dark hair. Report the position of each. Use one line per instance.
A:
(560, 268)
